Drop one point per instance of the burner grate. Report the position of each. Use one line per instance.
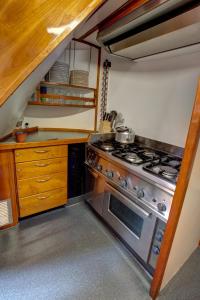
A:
(160, 164)
(136, 155)
(167, 167)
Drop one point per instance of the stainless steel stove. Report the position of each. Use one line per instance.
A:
(134, 187)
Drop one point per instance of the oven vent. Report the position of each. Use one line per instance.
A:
(5, 212)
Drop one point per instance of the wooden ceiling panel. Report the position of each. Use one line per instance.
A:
(30, 30)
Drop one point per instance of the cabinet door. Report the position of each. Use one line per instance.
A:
(41, 202)
(38, 168)
(39, 153)
(8, 204)
(37, 185)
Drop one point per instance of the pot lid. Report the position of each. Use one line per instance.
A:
(122, 129)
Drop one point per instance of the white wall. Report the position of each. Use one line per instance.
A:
(187, 235)
(56, 117)
(155, 96)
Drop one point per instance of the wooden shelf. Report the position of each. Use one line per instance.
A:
(69, 86)
(35, 103)
(54, 96)
(69, 95)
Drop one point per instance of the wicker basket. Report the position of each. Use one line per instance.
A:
(79, 77)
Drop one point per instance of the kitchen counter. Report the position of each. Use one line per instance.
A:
(46, 138)
(40, 157)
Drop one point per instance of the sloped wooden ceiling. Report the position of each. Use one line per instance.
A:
(30, 30)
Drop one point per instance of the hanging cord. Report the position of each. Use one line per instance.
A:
(70, 55)
(90, 58)
(104, 89)
(65, 56)
(74, 56)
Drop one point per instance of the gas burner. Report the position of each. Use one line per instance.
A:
(107, 147)
(174, 163)
(133, 155)
(168, 172)
(133, 158)
(150, 153)
(167, 167)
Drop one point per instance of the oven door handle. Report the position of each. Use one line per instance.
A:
(126, 201)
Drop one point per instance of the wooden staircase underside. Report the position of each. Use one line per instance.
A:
(30, 31)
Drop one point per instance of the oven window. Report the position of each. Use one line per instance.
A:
(126, 215)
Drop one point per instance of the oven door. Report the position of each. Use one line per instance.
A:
(133, 224)
(95, 185)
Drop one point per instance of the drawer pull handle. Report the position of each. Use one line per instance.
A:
(42, 180)
(41, 165)
(41, 151)
(42, 197)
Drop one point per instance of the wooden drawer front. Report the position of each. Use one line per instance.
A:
(41, 167)
(29, 187)
(40, 202)
(40, 153)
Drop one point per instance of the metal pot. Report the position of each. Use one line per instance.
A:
(124, 135)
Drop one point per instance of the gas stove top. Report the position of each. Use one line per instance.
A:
(156, 162)
(135, 154)
(108, 145)
(167, 167)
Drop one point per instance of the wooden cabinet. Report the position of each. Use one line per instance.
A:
(38, 153)
(41, 178)
(36, 185)
(40, 202)
(40, 167)
(8, 204)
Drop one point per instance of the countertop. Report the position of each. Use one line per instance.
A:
(46, 138)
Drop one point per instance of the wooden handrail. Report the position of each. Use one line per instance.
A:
(178, 199)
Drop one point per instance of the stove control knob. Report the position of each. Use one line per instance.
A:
(156, 250)
(109, 174)
(135, 188)
(140, 193)
(90, 161)
(99, 168)
(123, 182)
(159, 236)
(161, 207)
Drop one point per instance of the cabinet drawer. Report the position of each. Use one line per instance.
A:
(38, 153)
(41, 167)
(40, 202)
(29, 187)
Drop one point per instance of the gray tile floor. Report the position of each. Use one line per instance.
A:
(67, 254)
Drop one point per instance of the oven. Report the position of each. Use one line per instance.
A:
(130, 205)
(134, 224)
(95, 190)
